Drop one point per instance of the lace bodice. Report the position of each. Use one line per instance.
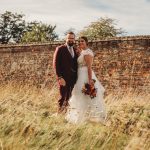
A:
(81, 61)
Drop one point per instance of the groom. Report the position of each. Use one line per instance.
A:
(65, 65)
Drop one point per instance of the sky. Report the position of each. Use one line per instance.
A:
(131, 15)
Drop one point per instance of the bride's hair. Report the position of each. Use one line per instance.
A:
(84, 38)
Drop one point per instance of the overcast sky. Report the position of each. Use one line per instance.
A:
(131, 15)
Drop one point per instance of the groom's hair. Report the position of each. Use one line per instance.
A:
(70, 32)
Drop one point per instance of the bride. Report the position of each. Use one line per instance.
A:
(81, 107)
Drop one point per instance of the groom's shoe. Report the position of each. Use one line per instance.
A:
(60, 110)
(63, 108)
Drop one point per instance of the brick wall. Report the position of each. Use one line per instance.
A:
(119, 62)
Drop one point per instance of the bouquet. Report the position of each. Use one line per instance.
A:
(89, 90)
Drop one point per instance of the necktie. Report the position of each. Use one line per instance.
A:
(71, 51)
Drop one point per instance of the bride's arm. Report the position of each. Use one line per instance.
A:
(89, 60)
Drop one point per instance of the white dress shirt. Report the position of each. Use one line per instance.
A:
(71, 51)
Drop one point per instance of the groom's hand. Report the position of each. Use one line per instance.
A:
(62, 82)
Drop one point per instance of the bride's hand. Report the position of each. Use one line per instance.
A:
(91, 82)
(78, 50)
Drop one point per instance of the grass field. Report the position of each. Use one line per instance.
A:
(27, 122)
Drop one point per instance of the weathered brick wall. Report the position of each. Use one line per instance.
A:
(121, 62)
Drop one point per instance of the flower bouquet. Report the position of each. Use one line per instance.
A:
(89, 90)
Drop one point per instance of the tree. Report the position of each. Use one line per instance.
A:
(12, 26)
(101, 29)
(39, 32)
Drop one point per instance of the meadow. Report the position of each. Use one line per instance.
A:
(28, 122)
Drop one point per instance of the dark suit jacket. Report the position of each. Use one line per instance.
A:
(65, 66)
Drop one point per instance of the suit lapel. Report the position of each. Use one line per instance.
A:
(67, 51)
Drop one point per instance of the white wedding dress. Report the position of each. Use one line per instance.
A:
(81, 107)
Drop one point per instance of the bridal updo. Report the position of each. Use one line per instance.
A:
(84, 38)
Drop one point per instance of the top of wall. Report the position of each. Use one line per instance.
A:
(124, 38)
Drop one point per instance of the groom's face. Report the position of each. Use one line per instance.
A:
(70, 40)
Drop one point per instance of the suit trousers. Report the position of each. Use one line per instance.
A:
(65, 94)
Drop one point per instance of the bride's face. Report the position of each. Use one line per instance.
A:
(82, 44)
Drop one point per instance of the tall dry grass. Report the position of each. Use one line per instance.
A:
(27, 122)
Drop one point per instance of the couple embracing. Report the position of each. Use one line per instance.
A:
(73, 67)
